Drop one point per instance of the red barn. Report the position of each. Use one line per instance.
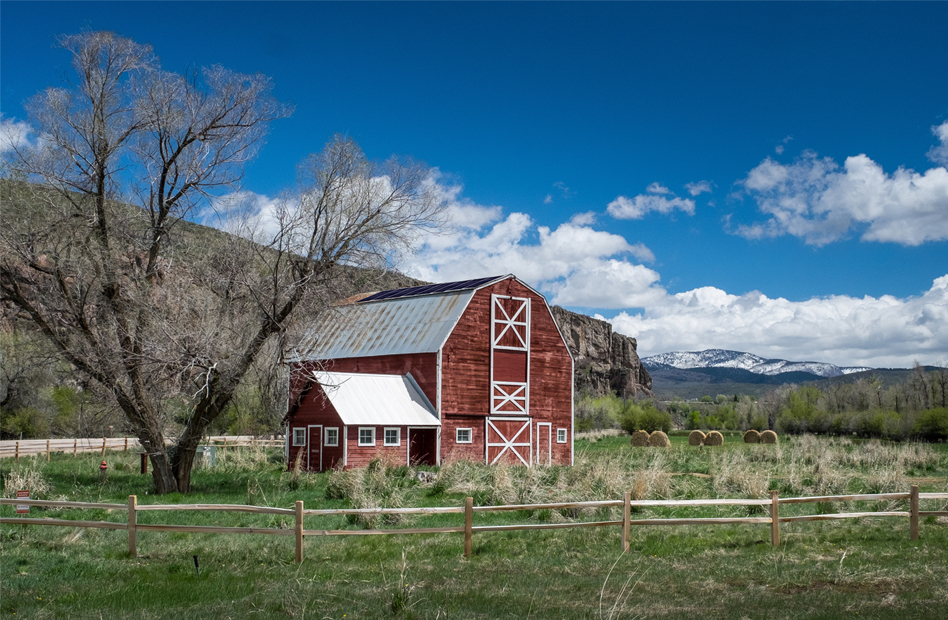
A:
(473, 370)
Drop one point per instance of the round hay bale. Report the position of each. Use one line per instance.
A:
(768, 437)
(714, 438)
(639, 439)
(695, 438)
(658, 439)
(752, 436)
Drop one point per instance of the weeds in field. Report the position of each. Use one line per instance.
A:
(28, 476)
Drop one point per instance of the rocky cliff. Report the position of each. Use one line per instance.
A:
(604, 361)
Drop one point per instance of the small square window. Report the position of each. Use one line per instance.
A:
(299, 436)
(332, 437)
(366, 435)
(561, 435)
(464, 435)
(392, 437)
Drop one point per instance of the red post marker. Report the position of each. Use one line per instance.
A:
(104, 466)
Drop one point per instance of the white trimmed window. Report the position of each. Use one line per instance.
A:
(393, 436)
(561, 435)
(332, 437)
(464, 435)
(299, 436)
(366, 435)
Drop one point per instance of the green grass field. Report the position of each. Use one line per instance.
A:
(865, 568)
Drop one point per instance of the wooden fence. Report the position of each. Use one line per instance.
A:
(28, 447)
(627, 503)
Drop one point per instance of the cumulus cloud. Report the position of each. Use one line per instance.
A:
(878, 332)
(577, 266)
(624, 208)
(698, 188)
(657, 188)
(939, 154)
(819, 201)
(14, 135)
(584, 219)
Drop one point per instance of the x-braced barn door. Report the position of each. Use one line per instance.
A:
(510, 355)
(509, 440)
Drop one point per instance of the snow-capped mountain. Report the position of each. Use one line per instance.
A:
(720, 358)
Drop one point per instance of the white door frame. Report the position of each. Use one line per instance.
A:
(549, 442)
(511, 443)
(309, 435)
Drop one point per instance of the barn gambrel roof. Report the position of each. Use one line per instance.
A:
(418, 319)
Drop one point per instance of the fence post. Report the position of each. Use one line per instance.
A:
(299, 531)
(47, 450)
(103, 446)
(468, 525)
(75, 444)
(626, 520)
(17, 457)
(913, 517)
(126, 444)
(132, 525)
(774, 520)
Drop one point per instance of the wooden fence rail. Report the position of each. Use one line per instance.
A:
(27, 447)
(627, 503)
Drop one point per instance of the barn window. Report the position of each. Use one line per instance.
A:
(332, 437)
(366, 435)
(464, 435)
(299, 436)
(393, 437)
(561, 435)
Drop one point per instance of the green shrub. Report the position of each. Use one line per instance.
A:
(932, 424)
(645, 417)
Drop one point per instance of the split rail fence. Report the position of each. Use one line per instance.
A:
(299, 513)
(27, 447)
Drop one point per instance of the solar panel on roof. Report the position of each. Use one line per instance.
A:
(429, 289)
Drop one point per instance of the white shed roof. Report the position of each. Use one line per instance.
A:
(377, 400)
(387, 327)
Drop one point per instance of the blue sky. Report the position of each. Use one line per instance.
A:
(767, 177)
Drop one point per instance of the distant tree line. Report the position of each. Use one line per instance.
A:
(916, 408)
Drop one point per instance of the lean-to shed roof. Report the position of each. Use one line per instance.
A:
(377, 400)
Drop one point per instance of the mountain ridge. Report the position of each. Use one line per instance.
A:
(741, 360)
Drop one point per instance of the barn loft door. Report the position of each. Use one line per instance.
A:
(509, 440)
(510, 355)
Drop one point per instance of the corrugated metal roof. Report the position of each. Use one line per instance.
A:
(388, 327)
(377, 400)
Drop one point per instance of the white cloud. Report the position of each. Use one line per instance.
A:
(624, 208)
(657, 188)
(584, 219)
(577, 266)
(548, 199)
(14, 135)
(878, 332)
(817, 201)
(698, 188)
(939, 154)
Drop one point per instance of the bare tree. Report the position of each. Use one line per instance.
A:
(164, 316)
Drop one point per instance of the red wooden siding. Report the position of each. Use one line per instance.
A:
(316, 410)
(361, 456)
(422, 366)
(510, 366)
